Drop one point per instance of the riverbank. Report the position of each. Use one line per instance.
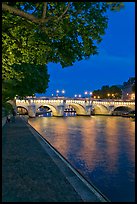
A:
(33, 171)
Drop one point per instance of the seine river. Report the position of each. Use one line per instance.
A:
(102, 148)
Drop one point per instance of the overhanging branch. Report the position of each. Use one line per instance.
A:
(64, 11)
(22, 14)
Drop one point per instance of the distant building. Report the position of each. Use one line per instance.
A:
(127, 92)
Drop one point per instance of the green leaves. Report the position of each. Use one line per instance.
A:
(29, 79)
(36, 33)
(108, 92)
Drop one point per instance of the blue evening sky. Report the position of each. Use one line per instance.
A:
(114, 64)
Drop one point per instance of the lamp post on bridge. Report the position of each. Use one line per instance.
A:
(57, 93)
(79, 95)
(88, 94)
(63, 92)
(85, 93)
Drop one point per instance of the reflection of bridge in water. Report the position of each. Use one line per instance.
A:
(82, 106)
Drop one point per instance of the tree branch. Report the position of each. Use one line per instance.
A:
(22, 14)
(44, 10)
(64, 11)
(37, 5)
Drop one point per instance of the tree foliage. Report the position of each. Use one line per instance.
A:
(37, 33)
(34, 79)
(112, 92)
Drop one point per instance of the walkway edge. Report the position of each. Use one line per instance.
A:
(87, 191)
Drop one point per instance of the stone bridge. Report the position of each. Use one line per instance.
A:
(82, 106)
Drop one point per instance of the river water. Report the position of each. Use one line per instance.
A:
(101, 148)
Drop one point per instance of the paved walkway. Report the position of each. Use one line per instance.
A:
(33, 172)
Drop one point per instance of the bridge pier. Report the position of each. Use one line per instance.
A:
(88, 110)
(59, 111)
(32, 110)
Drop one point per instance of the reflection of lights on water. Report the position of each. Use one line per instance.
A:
(70, 114)
(97, 141)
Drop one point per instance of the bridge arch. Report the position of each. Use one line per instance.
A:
(80, 110)
(22, 109)
(123, 109)
(43, 107)
(52, 108)
(100, 109)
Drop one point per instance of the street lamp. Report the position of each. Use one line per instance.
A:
(108, 94)
(79, 95)
(113, 95)
(75, 95)
(57, 92)
(90, 93)
(63, 92)
(85, 92)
